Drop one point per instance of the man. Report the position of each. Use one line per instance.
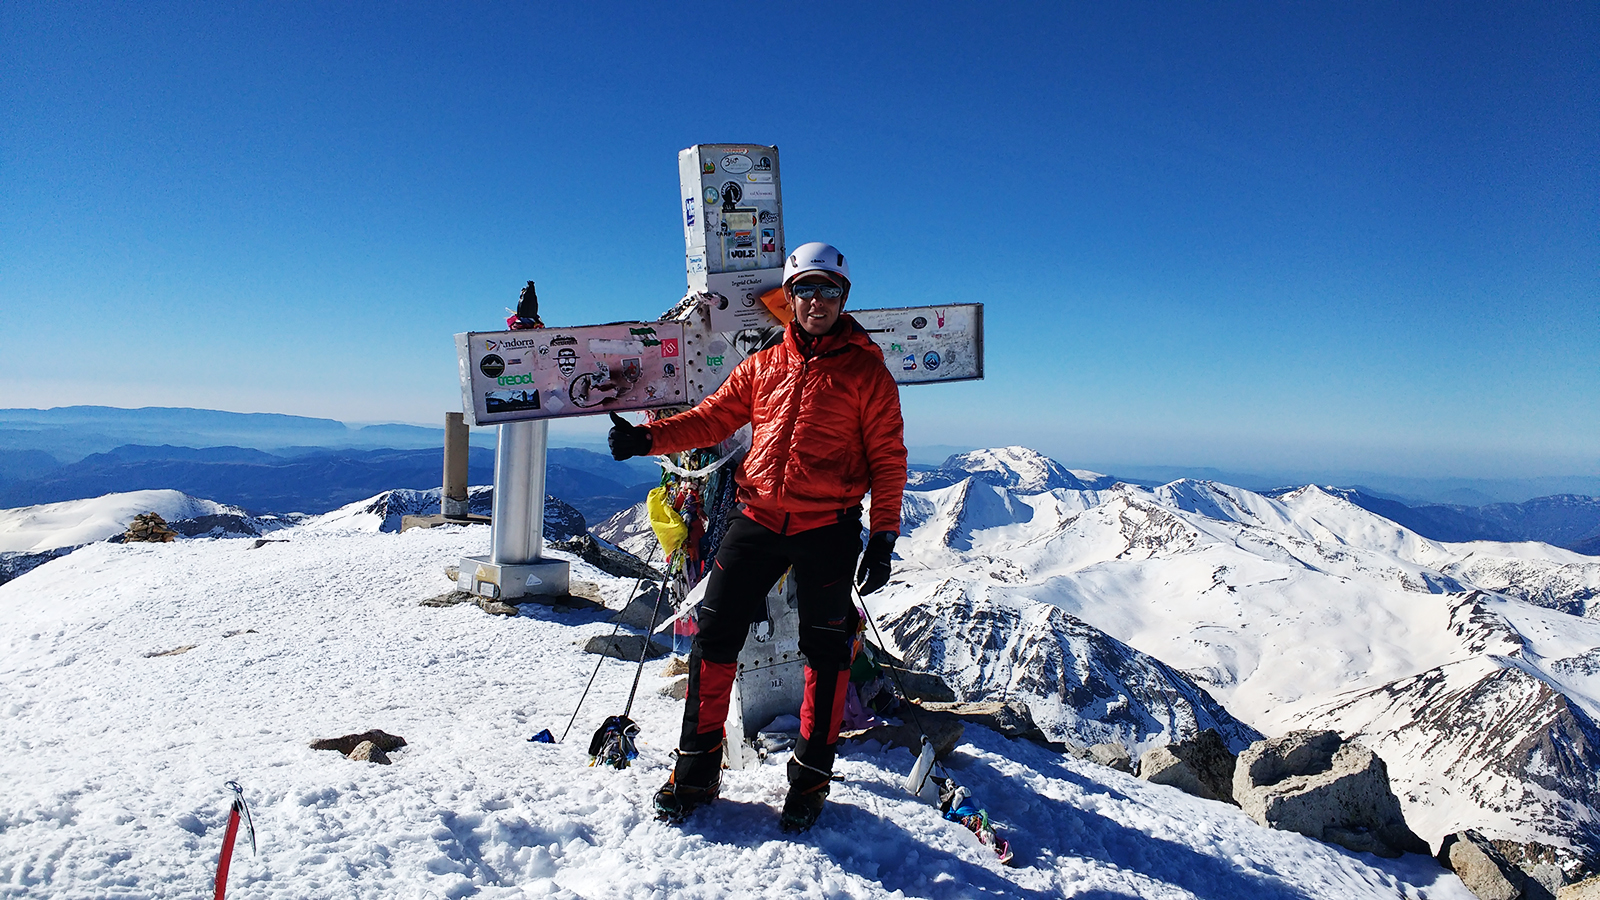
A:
(827, 429)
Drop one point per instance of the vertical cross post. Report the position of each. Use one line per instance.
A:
(517, 533)
(515, 566)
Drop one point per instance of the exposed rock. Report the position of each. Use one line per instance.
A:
(567, 602)
(381, 739)
(1547, 867)
(496, 607)
(13, 565)
(674, 667)
(1489, 732)
(175, 651)
(1009, 718)
(1587, 889)
(943, 729)
(1081, 686)
(1113, 755)
(1317, 784)
(1202, 765)
(677, 689)
(148, 528)
(623, 646)
(450, 598)
(610, 560)
(218, 525)
(1481, 867)
(367, 751)
(639, 612)
(920, 686)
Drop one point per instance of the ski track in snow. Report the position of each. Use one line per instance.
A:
(114, 760)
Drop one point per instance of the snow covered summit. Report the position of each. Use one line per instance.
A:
(1018, 469)
(53, 526)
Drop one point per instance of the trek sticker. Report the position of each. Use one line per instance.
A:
(914, 355)
(567, 372)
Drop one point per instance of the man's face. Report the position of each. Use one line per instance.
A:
(815, 313)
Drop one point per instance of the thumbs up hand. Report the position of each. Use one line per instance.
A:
(626, 439)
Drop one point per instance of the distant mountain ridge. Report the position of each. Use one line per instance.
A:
(316, 480)
(69, 433)
(1570, 521)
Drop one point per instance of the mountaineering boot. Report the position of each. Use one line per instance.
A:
(674, 802)
(696, 780)
(808, 790)
(802, 808)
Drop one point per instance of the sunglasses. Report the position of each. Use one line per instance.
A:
(825, 291)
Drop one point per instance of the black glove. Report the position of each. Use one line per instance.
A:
(627, 439)
(874, 570)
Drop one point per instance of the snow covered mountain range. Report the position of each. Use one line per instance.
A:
(1472, 668)
(136, 679)
(1112, 612)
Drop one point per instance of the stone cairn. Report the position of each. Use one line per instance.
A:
(148, 528)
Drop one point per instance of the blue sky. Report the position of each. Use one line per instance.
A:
(1311, 237)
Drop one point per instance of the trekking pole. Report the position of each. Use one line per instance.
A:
(954, 800)
(644, 648)
(926, 751)
(239, 812)
(614, 629)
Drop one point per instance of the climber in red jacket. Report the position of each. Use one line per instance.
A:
(826, 430)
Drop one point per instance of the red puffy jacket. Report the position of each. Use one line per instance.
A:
(827, 429)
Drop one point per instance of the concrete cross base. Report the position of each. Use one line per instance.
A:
(497, 581)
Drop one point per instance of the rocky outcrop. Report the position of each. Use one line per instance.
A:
(1114, 756)
(367, 751)
(640, 611)
(607, 559)
(1494, 733)
(1009, 718)
(1202, 765)
(1080, 685)
(347, 744)
(220, 525)
(1513, 870)
(1588, 889)
(623, 646)
(1317, 784)
(15, 565)
(943, 730)
(1481, 868)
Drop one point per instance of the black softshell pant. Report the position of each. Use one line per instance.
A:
(749, 562)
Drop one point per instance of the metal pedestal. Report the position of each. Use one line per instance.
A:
(515, 566)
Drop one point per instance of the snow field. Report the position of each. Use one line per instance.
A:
(114, 760)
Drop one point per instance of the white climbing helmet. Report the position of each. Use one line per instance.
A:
(814, 257)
